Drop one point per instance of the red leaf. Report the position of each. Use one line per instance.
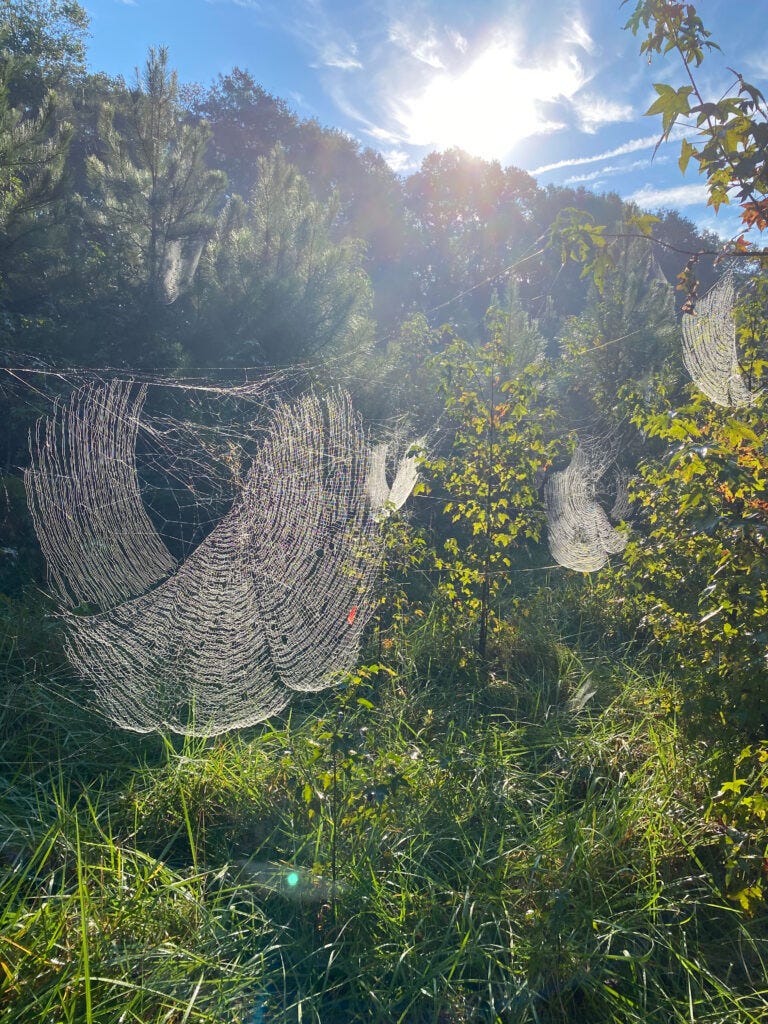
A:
(755, 214)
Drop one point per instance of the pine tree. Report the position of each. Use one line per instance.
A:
(155, 198)
(279, 284)
(32, 154)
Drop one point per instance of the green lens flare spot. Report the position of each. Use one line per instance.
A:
(292, 878)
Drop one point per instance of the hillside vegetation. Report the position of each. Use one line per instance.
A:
(542, 794)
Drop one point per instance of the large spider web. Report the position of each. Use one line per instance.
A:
(579, 531)
(710, 353)
(275, 597)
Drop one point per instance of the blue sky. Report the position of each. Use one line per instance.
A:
(555, 87)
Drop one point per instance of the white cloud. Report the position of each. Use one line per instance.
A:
(577, 34)
(680, 195)
(457, 40)
(605, 172)
(399, 160)
(314, 25)
(332, 55)
(727, 223)
(422, 46)
(380, 134)
(633, 146)
(757, 63)
(595, 111)
(580, 179)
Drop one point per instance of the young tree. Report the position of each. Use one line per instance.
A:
(278, 287)
(156, 201)
(491, 475)
(695, 568)
(625, 334)
(32, 154)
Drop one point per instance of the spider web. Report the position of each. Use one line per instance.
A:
(710, 353)
(84, 498)
(275, 597)
(579, 531)
(403, 462)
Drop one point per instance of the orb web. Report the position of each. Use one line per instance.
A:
(319, 546)
(710, 353)
(579, 531)
(386, 498)
(274, 599)
(84, 497)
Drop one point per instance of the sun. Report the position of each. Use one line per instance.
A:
(490, 105)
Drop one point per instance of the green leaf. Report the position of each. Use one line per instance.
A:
(686, 152)
(671, 104)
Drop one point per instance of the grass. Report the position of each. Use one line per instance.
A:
(510, 852)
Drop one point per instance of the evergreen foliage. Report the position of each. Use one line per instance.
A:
(278, 287)
(155, 201)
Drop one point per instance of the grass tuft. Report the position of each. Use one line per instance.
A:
(537, 846)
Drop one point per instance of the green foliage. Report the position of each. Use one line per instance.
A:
(492, 838)
(740, 810)
(731, 132)
(554, 867)
(156, 199)
(42, 46)
(627, 332)
(672, 25)
(278, 286)
(472, 223)
(695, 571)
(490, 478)
(33, 150)
(577, 237)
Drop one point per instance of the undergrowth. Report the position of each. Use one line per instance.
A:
(545, 846)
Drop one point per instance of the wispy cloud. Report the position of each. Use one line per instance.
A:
(332, 55)
(681, 195)
(576, 33)
(424, 47)
(592, 176)
(457, 40)
(757, 63)
(437, 77)
(315, 26)
(595, 111)
(632, 146)
(607, 172)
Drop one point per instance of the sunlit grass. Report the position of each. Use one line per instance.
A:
(453, 854)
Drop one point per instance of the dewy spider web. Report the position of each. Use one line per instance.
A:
(273, 600)
(386, 497)
(710, 353)
(579, 532)
(84, 497)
